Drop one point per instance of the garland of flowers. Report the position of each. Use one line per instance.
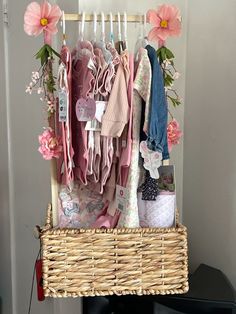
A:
(166, 21)
(43, 18)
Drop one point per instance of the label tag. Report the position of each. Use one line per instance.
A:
(93, 125)
(121, 198)
(100, 109)
(152, 159)
(85, 109)
(63, 103)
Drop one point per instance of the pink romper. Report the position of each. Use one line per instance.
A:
(82, 84)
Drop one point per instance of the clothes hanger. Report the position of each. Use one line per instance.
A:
(103, 27)
(111, 29)
(82, 26)
(63, 29)
(125, 30)
(102, 44)
(120, 46)
(139, 42)
(145, 39)
(94, 26)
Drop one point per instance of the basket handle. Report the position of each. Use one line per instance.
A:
(176, 216)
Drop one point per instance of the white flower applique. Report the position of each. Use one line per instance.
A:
(152, 160)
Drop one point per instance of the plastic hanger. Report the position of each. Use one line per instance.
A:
(111, 29)
(145, 39)
(82, 26)
(120, 46)
(139, 42)
(63, 28)
(125, 30)
(103, 27)
(101, 44)
(94, 26)
(119, 26)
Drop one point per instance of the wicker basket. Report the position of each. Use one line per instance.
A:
(97, 262)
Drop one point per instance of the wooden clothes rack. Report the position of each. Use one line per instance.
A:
(77, 17)
(135, 18)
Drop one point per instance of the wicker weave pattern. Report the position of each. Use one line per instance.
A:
(114, 261)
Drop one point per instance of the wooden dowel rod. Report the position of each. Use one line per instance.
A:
(89, 18)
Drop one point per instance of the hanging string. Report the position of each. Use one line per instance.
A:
(32, 284)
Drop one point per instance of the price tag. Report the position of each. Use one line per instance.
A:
(121, 198)
(63, 103)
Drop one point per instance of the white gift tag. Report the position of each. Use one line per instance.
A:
(152, 159)
(100, 109)
(121, 198)
(63, 103)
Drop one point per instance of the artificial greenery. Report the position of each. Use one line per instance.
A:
(170, 74)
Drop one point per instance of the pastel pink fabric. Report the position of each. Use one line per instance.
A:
(97, 156)
(125, 157)
(117, 112)
(170, 14)
(65, 127)
(107, 157)
(35, 13)
(82, 86)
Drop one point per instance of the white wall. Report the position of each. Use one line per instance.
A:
(24, 175)
(209, 143)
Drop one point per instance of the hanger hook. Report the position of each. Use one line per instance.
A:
(103, 26)
(63, 28)
(119, 26)
(95, 25)
(111, 29)
(125, 28)
(144, 25)
(82, 25)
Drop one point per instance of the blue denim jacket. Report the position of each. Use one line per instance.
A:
(157, 131)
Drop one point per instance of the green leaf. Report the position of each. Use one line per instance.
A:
(40, 52)
(169, 54)
(44, 57)
(56, 53)
(168, 79)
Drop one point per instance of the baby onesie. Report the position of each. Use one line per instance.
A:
(65, 77)
(82, 84)
(117, 113)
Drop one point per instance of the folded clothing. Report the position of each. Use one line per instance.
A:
(159, 213)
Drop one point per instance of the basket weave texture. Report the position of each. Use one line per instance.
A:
(95, 262)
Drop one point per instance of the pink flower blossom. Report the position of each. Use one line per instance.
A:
(50, 144)
(166, 21)
(173, 134)
(42, 18)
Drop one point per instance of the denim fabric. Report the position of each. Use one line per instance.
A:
(157, 132)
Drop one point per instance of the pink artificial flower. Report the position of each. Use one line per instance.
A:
(42, 18)
(173, 134)
(50, 144)
(166, 21)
